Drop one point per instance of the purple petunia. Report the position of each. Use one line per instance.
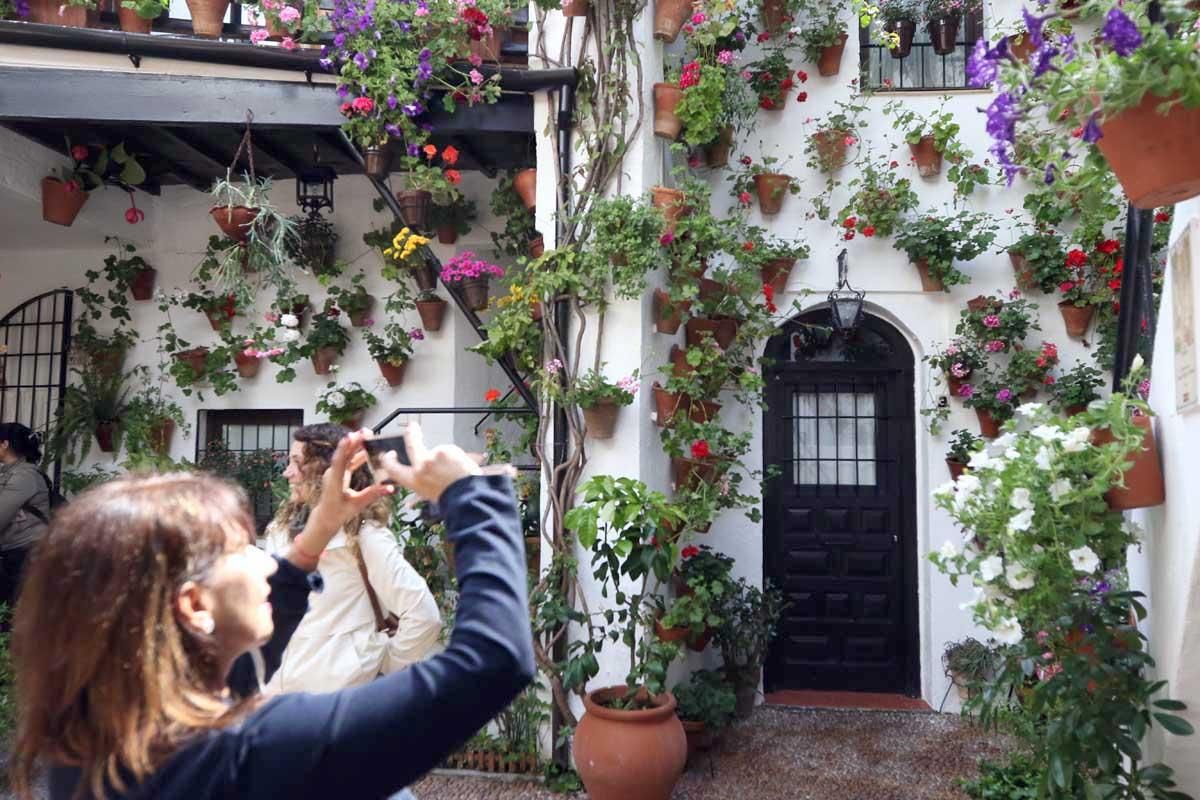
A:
(343, 91)
(414, 151)
(1033, 26)
(1067, 43)
(1049, 176)
(1091, 130)
(1002, 117)
(1121, 33)
(1004, 395)
(1045, 60)
(393, 130)
(984, 63)
(412, 110)
(326, 63)
(339, 40)
(361, 61)
(392, 101)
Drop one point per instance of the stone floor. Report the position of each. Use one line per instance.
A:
(803, 754)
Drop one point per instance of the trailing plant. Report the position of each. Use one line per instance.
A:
(940, 241)
(969, 661)
(95, 399)
(624, 238)
(880, 199)
(592, 388)
(314, 246)
(943, 126)
(271, 236)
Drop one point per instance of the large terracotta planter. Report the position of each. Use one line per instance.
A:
(716, 154)
(670, 203)
(59, 205)
(432, 312)
(723, 330)
(956, 468)
(525, 185)
(830, 62)
(666, 405)
(929, 283)
(1076, 319)
(669, 16)
(989, 426)
(601, 419)
(771, 189)
(324, 358)
(1025, 279)
(629, 755)
(689, 472)
(831, 148)
(392, 373)
(699, 738)
(196, 358)
(142, 286)
(666, 99)
(475, 293)
(234, 221)
(905, 30)
(47, 13)
(1143, 476)
(1156, 157)
(378, 161)
(414, 207)
(424, 277)
(775, 17)
(105, 432)
(665, 321)
(943, 33)
(247, 366)
(207, 17)
(160, 435)
(132, 22)
(929, 158)
(775, 273)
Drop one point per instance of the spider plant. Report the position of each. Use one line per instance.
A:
(244, 267)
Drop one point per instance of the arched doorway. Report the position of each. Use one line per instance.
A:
(839, 527)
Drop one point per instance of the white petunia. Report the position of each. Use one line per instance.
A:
(1044, 458)
(980, 460)
(1007, 631)
(1021, 499)
(1012, 454)
(1133, 531)
(1017, 577)
(1060, 489)
(973, 602)
(1077, 440)
(994, 594)
(1029, 409)
(945, 490)
(289, 321)
(1137, 363)
(1083, 559)
(991, 568)
(949, 550)
(1005, 441)
(335, 399)
(966, 486)
(1047, 433)
(1021, 522)
(289, 335)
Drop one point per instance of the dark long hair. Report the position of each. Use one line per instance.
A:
(23, 441)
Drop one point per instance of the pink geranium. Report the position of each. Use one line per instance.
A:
(467, 267)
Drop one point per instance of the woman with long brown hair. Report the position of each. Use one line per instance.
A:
(376, 614)
(146, 591)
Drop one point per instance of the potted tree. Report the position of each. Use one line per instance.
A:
(392, 350)
(345, 404)
(705, 706)
(749, 619)
(963, 444)
(1076, 388)
(601, 400)
(472, 275)
(933, 242)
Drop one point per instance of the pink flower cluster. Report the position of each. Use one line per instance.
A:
(629, 384)
(959, 371)
(467, 267)
(251, 352)
(991, 321)
(995, 346)
(725, 57)
(416, 334)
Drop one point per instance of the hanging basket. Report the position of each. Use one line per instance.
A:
(771, 189)
(601, 419)
(1075, 318)
(830, 62)
(234, 221)
(943, 33)
(432, 312)
(669, 16)
(378, 162)
(60, 205)
(929, 158)
(666, 122)
(1156, 157)
(905, 29)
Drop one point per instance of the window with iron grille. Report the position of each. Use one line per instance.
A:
(922, 69)
(251, 448)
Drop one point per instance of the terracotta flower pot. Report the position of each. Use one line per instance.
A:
(378, 161)
(716, 153)
(576, 8)
(666, 123)
(956, 468)
(830, 62)
(680, 368)
(132, 22)
(196, 358)
(324, 358)
(775, 17)
(1075, 410)
(629, 755)
(929, 158)
(906, 30)
(669, 16)
(771, 189)
(47, 13)
(432, 312)
(160, 435)
(831, 148)
(943, 33)
(978, 303)
(723, 330)
(929, 283)
(489, 48)
(1156, 157)
(775, 273)
(664, 321)
(234, 221)
(354, 421)
(207, 17)
(218, 318)
(697, 643)
(414, 207)
(475, 292)
(601, 419)
(670, 202)
(699, 738)
(537, 247)
(447, 234)
(703, 410)
(1020, 265)
(989, 426)
(1021, 46)
(142, 286)
(678, 633)
(60, 205)
(1143, 476)
(359, 319)
(689, 472)
(392, 373)
(105, 432)
(424, 277)
(247, 366)
(525, 185)
(955, 384)
(666, 405)
(1076, 319)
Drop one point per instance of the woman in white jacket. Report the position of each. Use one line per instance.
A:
(338, 643)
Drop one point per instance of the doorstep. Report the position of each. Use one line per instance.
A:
(866, 701)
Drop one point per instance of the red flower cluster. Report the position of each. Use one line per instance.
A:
(849, 222)
(492, 395)
(802, 97)
(477, 22)
(769, 294)
(1109, 246)
(700, 449)
(690, 75)
(1162, 216)
(79, 152)
(1076, 258)
(689, 552)
(868, 231)
(766, 103)
(746, 161)
(744, 198)
(803, 76)
(748, 247)
(360, 105)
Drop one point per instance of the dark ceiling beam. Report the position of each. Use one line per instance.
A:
(192, 141)
(468, 149)
(140, 144)
(272, 150)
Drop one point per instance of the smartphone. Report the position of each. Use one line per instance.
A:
(378, 447)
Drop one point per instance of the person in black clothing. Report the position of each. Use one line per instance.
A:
(24, 504)
(121, 672)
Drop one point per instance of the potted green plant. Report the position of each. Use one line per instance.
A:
(776, 258)
(880, 200)
(823, 33)
(994, 402)
(453, 220)
(1039, 260)
(996, 324)
(105, 351)
(137, 16)
(828, 147)
(934, 242)
(957, 361)
(601, 400)
(963, 444)
(899, 18)
(63, 195)
(432, 309)
(625, 233)
(345, 404)
(1076, 388)
(314, 246)
(428, 184)
(326, 340)
(260, 237)
(771, 79)
(149, 418)
(942, 19)
(968, 664)
(749, 623)
(392, 350)
(472, 275)
(629, 740)
(354, 300)
(1029, 370)
(769, 184)
(930, 137)
(93, 406)
(705, 706)
(519, 231)
(74, 14)
(127, 271)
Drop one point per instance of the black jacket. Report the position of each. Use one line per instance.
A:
(371, 741)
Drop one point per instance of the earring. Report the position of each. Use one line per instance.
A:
(207, 625)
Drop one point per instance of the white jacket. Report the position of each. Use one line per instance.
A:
(336, 644)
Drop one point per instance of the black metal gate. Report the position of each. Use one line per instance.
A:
(35, 338)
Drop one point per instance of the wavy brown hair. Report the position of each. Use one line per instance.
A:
(320, 440)
(107, 677)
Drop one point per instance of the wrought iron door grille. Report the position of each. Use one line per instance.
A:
(922, 69)
(837, 432)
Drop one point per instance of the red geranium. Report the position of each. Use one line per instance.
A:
(803, 76)
(1076, 258)
(766, 104)
(748, 246)
(746, 161)
(79, 152)
(868, 231)
(689, 552)
(492, 395)
(700, 449)
(1162, 216)
(1066, 286)
(450, 155)
(802, 97)
(849, 222)
(744, 198)
(1109, 246)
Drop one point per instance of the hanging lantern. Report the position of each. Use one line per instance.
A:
(845, 302)
(314, 188)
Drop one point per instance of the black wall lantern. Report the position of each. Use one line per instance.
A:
(845, 302)
(314, 187)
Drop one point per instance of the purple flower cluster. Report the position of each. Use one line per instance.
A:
(1121, 33)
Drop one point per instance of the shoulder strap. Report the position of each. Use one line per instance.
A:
(381, 620)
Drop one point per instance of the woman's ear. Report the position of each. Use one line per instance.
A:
(194, 608)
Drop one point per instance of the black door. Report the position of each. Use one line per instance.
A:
(840, 516)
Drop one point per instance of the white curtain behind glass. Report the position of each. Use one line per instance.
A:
(833, 438)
